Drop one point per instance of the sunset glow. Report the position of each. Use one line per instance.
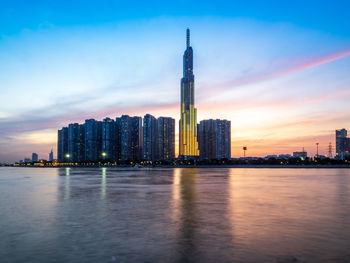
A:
(283, 82)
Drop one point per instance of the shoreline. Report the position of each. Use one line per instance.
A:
(311, 166)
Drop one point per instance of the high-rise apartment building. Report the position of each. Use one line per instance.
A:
(165, 138)
(149, 138)
(342, 143)
(158, 138)
(35, 157)
(130, 138)
(188, 144)
(62, 145)
(76, 141)
(214, 139)
(109, 140)
(93, 140)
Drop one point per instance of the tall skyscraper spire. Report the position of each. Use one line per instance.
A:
(188, 144)
(187, 37)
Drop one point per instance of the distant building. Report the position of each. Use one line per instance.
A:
(51, 156)
(62, 145)
(284, 156)
(342, 143)
(27, 160)
(35, 157)
(270, 156)
(93, 140)
(165, 138)
(214, 139)
(149, 138)
(301, 154)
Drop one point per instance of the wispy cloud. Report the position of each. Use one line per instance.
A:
(285, 68)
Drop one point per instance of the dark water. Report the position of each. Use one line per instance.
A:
(174, 215)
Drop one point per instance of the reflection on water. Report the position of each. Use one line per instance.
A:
(186, 207)
(103, 183)
(67, 184)
(174, 215)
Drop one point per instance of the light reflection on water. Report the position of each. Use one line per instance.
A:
(174, 215)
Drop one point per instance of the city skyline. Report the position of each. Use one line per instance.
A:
(281, 78)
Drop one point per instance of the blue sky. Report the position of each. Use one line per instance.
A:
(279, 71)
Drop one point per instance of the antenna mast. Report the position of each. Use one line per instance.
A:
(188, 37)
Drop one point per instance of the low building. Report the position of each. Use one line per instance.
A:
(301, 154)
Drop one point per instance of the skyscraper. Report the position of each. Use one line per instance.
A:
(214, 139)
(188, 144)
(51, 156)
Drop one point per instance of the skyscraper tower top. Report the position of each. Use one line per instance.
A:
(187, 37)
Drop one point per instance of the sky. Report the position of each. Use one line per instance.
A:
(279, 70)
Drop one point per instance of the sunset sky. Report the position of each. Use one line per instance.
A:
(279, 71)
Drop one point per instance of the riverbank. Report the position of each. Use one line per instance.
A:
(250, 166)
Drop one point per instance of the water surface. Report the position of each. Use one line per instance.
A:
(174, 215)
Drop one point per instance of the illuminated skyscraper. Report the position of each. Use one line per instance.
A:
(188, 144)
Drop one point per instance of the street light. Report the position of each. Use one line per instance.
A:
(244, 149)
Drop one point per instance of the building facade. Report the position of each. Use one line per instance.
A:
(188, 144)
(214, 139)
